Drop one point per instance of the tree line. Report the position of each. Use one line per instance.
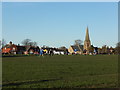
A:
(103, 50)
(25, 42)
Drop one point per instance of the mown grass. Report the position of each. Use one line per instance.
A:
(75, 71)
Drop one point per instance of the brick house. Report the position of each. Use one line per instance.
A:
(9, 48)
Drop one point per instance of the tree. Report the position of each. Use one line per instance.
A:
(28, 42)
(117, 48)
(91, 49)
(99, 50)
(118, 44)
(108, 50)
(78, 42)
(33, 43)
(63, 48)
(112, 50)
(104, 49)
(3, 42)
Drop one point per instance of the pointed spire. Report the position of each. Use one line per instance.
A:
(87, 35)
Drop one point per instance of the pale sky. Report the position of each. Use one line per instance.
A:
(60, 23)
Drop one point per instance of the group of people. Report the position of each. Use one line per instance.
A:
(42, 52)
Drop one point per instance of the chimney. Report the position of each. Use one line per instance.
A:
(10, 43)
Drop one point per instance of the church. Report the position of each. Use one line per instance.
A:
(87, 42)
(80, 49)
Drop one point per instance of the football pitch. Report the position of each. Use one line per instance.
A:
(60, 71)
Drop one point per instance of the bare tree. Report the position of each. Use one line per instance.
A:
(118, 44)
(78, 42)
(104, 49)
(63, 48)
(26, 42)
(33, 43)
(117, 48)
(99, 50)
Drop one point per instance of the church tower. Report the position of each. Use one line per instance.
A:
(87, 42)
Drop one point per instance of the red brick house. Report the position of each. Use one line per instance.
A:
(17, 49)
(9, 48)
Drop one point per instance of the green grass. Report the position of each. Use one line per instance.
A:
(75, 71)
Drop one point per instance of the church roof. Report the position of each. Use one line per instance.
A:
(87, 35)
(77, 48)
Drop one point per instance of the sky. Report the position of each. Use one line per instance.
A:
(58, 24)
(60, 0)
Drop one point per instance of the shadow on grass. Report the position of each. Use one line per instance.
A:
(28, 82)
(16, 55)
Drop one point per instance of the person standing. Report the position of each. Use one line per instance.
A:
(41, 52)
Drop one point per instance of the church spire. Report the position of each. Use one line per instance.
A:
(87, 35)
(87, 42)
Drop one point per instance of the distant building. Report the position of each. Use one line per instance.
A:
(33, 50)
(9, 48)
(87, 42)
(20, 49)
(74, 49)
(81, 49)
(17, 49)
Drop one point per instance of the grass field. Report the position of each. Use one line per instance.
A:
(73, 71)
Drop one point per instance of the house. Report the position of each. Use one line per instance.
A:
(64, 50)
(17, 49)
(9, 48)
(21, 49)
(33, 50)
(75, 49)
(13, 49)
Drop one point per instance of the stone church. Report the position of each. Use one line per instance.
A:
(87, 42)
(81, 48)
